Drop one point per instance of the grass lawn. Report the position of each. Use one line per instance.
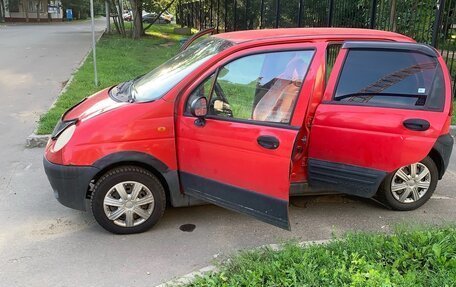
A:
(118, 60)
(454, 113)
(423, 257)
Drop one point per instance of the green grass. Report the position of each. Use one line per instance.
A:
(240, 98)
(453, 121)
(118, 60)
(420, 257)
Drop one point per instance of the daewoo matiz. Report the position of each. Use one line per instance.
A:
(247, 119)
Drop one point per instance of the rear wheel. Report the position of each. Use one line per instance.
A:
(127, 200)
(410, 186)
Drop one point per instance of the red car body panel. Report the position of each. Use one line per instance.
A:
(358, 136)
(146, 128)
(216, 157)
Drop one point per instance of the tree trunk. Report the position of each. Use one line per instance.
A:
(49, 14)
(38, 19)
(108, 17)
(393, 21)
(2, 11)
(136, 7)
(25, 7)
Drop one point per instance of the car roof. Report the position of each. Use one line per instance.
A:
(312, 34)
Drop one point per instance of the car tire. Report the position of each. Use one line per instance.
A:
(404, 190)
(128, 199)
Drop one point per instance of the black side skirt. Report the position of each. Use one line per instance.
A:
(265, 208)
(349, 179)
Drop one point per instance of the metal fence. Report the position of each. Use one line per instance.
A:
(427, 21)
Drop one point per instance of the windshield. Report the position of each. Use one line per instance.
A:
(159, 81)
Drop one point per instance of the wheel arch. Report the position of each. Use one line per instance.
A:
(441, 153)
(438, 160)
(146, 161)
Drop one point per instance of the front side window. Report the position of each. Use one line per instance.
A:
(203, 90)
(391, 78)
(261, 87)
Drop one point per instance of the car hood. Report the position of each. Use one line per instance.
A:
(92, 106)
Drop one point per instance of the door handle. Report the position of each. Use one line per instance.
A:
(416, 124)
(268, 142)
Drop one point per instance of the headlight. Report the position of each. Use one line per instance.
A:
(61, 126)
(64, 138)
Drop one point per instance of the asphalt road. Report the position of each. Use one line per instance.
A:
(45, 244)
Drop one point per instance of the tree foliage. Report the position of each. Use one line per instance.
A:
(411, 17)
(81, 8)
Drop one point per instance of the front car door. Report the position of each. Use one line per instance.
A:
(240, 158)
(383, 108)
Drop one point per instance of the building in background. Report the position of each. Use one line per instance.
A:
(33, 10)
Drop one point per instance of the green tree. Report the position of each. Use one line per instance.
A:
(81, 8)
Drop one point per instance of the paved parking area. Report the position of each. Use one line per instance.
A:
(45, 244)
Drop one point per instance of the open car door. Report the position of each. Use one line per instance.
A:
(239, 155)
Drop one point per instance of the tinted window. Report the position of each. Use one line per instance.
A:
(261, 87)
(390, 78)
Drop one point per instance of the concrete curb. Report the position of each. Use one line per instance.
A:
(34, 140)
(190, 277)
(453, 130)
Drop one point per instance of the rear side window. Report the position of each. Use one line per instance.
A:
(391, 78)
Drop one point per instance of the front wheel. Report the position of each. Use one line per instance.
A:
(128, 199)
(410, 186)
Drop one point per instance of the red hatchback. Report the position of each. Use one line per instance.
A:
(247, 119)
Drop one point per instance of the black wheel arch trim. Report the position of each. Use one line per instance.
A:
(441, 153)
(169, 176)
(131, 156)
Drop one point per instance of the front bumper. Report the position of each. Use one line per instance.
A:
(70, 183)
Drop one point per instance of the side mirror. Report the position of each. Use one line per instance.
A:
(198, 107)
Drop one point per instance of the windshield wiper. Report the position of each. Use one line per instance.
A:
(131, 96)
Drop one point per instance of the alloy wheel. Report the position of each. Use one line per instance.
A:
(128, 204)
(410, 183)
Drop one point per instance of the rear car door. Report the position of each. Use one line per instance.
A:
(383, 108)
(240, 158)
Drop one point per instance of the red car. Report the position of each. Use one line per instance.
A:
(247, 119)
